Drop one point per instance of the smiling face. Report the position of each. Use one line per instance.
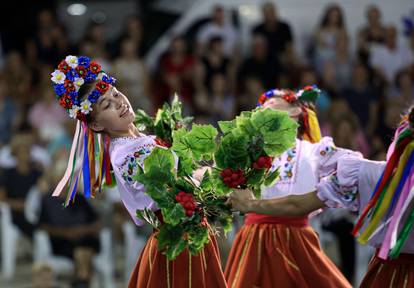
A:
(112, 113)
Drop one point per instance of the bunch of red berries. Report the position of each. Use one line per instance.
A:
(187, 201)
(233, 178)
(264, 162)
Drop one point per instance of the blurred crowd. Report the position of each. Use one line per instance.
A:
(365, 90)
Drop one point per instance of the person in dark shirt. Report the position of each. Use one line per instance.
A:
(277, 33)
(73, 231)
(362, 97)
(257, 65)
(16, 182)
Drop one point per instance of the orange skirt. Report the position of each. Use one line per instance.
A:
(153, 270)
(283, 252)
(390, 273)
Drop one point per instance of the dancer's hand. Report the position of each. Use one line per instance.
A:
(241, 200)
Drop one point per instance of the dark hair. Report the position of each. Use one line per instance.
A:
(328, 11)
(84, 92)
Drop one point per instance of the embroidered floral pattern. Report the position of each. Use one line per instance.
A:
(287, 163)
(130, 166)
(348, 194)
(327, 150)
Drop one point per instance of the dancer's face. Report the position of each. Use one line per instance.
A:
(112, 112)
(280, 104)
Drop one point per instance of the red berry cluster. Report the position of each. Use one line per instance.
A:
(187, 201)
(264, 162)
(233, 178)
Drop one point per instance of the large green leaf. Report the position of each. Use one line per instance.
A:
(161, 159)
(173, 214)
(180, 143)
(233, 151)
(202, 140)
(278, 130)
(227, 126)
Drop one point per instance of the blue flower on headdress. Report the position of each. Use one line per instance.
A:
(90, 77)
(108, 80)
(74, 96)
(94, 96)
(59, 89)
(71, 75)
(84, 61)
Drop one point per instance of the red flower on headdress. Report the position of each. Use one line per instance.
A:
(262, 99)
(102, 87)
(306, 88)
(95, 67)
(64, 67)
(69, 86)
(80, 116)
(289, 97)
(66, 102)
(81, 71)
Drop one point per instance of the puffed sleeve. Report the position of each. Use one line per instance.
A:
(126, 157)
(327, 156)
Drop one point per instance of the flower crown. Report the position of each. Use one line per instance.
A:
(71, 74)
(307, 94)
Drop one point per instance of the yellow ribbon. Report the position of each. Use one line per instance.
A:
(314, 133)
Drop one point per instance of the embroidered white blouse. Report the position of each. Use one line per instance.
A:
(302, 166)
(126, 154)
(351, 188)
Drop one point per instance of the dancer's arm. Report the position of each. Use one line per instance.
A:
(293, 205)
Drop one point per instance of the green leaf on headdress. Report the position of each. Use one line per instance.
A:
(309, 96)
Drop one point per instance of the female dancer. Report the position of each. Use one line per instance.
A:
(106, 122)
(284, 251)
(352, 187)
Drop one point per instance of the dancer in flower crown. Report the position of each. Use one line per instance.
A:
(105, 135)
(284, 251)
(382, 193)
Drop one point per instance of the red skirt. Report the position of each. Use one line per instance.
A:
(153, 270)
(390, 273)
(271, 252)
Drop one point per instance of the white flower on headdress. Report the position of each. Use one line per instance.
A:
(78, 83)
(86, 106)
(101, 75)
(299, 93)
(73, 112)
(72, 61)
(58, 77)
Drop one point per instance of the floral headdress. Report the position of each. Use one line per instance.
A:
(303, 97)
(72, 73)
(89, 150)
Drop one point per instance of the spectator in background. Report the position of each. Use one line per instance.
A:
(362, 98)
(403, 88)
(44, 44)
(134, 31)
(9, 113)
(74, 232)
(331, 28)
(372, 33)
(176, 72)
(258, 65)
(217, 28)
(46, 115)
(389, 58)
(251, 87)
(16, 182)
(218, 103)
(18, 79)
(277, 33)
(132, 75)
(215, 62)
(96, 45)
